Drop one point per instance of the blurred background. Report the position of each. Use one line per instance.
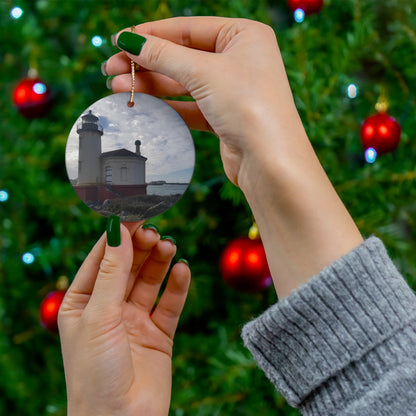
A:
(344, 58)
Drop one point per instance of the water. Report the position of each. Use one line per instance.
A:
(166, 189)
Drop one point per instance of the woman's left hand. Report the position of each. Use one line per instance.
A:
(116, 345)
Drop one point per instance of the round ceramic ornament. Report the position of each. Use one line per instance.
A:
(133, 159)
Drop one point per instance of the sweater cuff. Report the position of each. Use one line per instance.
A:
(313, 339)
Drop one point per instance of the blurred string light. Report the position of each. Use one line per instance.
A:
(4, 195)
(299, 15)
(39, 88)
(16, 12)
(352, 91)
(28, 258)
(97, 41)
(370, 155)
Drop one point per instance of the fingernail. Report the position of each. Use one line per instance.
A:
(131, 42)
(114, 39)
(108, 82)
(169, 238)
(184, 261)
(103, 68)
(150, 227)
(113, 231)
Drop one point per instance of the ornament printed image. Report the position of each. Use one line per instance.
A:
(49, 309)
(380, 132)
(32, 98)
(244, 265)
(131, 161)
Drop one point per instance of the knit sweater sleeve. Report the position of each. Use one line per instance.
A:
(344, 343)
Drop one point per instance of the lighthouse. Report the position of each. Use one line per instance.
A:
(90, 132)
(114, 174)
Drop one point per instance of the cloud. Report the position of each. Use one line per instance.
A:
(166, 140)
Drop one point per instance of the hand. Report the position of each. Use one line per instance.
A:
(231, 67)
(117, 353)
(234, 71)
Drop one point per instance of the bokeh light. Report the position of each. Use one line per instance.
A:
(28, 258)
(370, 155)
(4, 195)
(97, 41)
(299, 15)
(39, 88)
(352, 91)
(16, 12)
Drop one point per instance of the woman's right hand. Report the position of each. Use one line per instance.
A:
(231, 67)
(234, 70)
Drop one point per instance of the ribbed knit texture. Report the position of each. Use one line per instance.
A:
(345, 342)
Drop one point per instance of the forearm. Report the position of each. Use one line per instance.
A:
(303, 223)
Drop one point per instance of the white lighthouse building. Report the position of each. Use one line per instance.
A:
(89, 167)
(114, 174)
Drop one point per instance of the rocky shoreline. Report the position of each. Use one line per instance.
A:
(135, 208)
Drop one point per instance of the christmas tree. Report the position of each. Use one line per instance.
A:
(341, 61)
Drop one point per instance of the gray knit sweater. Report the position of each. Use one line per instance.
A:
(345, 342)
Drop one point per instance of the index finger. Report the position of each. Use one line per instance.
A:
(133, 226)
(197, 32)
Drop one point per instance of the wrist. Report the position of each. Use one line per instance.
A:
(303, 224)
(273, 150)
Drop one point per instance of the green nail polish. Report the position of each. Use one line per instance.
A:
(104, 69)
(150, 227)
(108, 82)
(168, 237)
(131, 42)
(184, 261)
(113, 231)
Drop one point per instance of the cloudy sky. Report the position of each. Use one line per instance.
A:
(166, 140)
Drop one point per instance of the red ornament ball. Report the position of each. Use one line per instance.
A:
(32, 98)
(244, 266)
(308, 6)
(49, 309)
(381, 132)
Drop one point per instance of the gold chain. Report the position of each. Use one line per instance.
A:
(133, 73)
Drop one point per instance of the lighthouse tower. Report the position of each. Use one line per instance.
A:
(114, 174)
(89, 168)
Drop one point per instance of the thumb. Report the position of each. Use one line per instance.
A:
(110, 286)
(180, 63)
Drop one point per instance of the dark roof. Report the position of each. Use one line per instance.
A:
(122, 153)
(90, 117)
